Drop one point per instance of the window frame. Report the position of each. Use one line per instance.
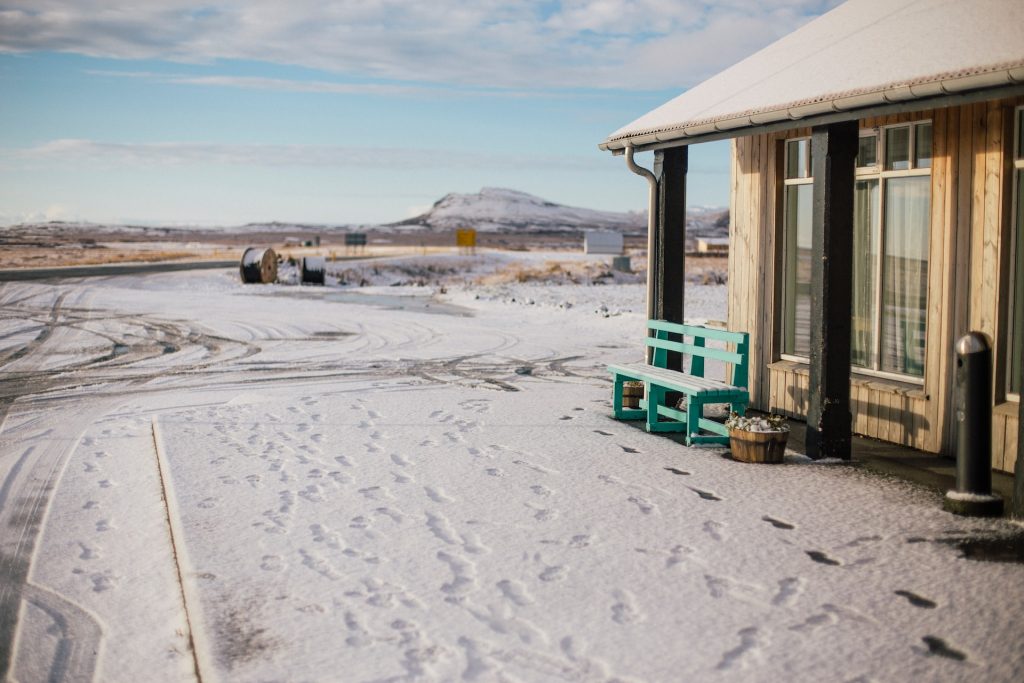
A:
(1016, 233)
(787, 296)
(879, 172)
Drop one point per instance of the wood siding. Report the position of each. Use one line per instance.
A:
(969, 269)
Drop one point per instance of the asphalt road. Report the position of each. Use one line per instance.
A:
(22, 274)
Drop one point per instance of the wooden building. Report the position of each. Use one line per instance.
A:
(876, 215)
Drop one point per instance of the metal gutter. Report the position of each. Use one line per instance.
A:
(1007, 82)
(652, 208)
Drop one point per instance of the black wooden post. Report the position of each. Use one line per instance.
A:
(671, 256)
(833, 151)
(1017, 504)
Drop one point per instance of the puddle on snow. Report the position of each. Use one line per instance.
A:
(390, 302)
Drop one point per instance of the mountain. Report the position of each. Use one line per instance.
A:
(489, 210)
(500, 210)
(495, 209)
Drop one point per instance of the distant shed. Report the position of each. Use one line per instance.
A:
(713, 245)
(602, 242)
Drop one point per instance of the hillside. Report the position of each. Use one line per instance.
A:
(511, 211)
(502, 210)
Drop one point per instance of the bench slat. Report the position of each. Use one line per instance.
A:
(704, 351)
(696, 331)
(676, 380)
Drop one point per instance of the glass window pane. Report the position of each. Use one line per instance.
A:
(897, 148)
(796, 159)
(867, 152)
(905, 274)
(923, 145)
(865, 276)
(1016, 341)
(797, 338)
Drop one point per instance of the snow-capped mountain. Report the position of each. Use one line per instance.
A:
(501, 210)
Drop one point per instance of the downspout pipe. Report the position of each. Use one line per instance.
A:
(652, 208)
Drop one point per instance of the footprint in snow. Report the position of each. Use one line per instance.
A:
(627, 449)
(553, 574)
(749, 643)
(916, 600)
(714, 529)
(706, 495)
(777, 523)
(514, 592)
(88, 552)
(624, 611)
(938, 647)
(673, 470)
(822, 558)
(645, 506)
(579, 541)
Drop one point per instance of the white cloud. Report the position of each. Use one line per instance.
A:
(483, 43)
(318, 86)
(94, 153)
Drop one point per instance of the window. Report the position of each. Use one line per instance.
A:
(892, 202)
(1015, 342)
(799, 191)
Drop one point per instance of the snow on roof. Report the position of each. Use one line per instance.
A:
(863, 53)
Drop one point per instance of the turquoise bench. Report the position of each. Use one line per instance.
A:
(700, 391)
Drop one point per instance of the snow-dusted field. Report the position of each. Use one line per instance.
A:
(281, 483)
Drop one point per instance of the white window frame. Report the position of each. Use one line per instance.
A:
(876, 171)
(787, 182)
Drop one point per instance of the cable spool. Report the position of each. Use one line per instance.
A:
(258, 266)
(312, 269)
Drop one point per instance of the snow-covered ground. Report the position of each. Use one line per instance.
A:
(387, 483)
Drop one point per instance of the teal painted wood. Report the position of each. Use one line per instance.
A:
(700, 391)
(740, 370)
(697, 331)
(697, 359)
(693, 350)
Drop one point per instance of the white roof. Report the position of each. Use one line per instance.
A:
(863, 53)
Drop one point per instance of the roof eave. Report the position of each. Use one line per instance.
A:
(930, 95)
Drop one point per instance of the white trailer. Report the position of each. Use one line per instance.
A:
(602, 242)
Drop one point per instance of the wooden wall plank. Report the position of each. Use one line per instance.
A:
(941, 393)
(993, 217)
(766, 250)
(773, 395)
(1010, 449)
(940, 275)
(979, 121)
(998, 440)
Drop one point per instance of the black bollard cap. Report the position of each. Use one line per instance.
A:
(972, 342)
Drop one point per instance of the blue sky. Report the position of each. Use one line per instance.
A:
(230, 111)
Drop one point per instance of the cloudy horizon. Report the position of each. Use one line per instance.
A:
(232, 111)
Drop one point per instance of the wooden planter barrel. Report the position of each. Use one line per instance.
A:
(632, 392)
(258, 266)
(766, 447)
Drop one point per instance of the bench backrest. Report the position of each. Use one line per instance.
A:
(672, 337)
